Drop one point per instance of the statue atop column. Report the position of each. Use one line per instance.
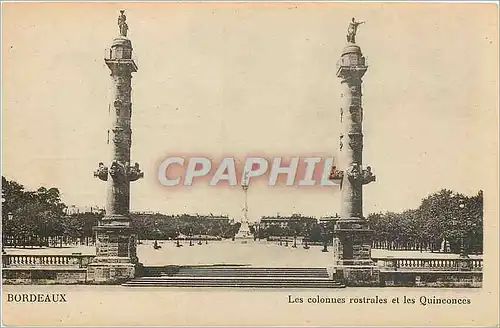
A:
(122, 24)
(352, 29)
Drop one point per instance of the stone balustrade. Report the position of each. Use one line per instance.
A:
(73, 261)
(401, 264)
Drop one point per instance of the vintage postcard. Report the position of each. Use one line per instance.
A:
(249, 164)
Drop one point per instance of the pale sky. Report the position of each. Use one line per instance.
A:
(239, 79)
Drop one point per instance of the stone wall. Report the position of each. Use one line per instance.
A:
(371, 276)
(44, 276)
(358, 276)
(110, 273)
(432, 279)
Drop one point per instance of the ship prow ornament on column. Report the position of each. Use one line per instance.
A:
(116, 259)
(353, 237)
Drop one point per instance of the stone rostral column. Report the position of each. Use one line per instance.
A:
(352, 230)
(116, 258)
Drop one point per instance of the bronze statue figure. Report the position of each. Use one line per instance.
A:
(352, 29)
(122, 24)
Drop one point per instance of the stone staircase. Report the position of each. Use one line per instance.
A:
(243, 277)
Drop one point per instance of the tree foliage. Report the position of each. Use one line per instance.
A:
(33, 217)
(442, 216)
(161, 226)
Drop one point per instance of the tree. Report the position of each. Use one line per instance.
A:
(443, 215)
(34, 215)
(315, 233)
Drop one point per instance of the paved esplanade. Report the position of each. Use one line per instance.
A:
(116, 245)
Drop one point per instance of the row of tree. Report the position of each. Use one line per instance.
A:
(38, 218)
(31, 217)
(160, 226)
(297, 225)
(443, 219)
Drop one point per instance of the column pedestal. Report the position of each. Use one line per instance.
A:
(354, 266)
(244, 232)
(116, 259)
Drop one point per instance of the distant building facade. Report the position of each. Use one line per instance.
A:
(223, 219)
(324, 220)
(73, 209)
(286, 221)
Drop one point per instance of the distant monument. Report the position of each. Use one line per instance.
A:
(116, 258)
(244, 231)
(352, 234)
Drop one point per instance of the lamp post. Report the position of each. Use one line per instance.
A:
(306, 246)
(463, 251)
(325, 238)
(306, 236)
(325, 246)
(155, 245)
(4, 235)
(459, 224)
(3, 230)
(43, 232)
(10, 217)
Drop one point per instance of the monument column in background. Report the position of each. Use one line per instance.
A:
(244, 230)
(116, 258)
(352, 228)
